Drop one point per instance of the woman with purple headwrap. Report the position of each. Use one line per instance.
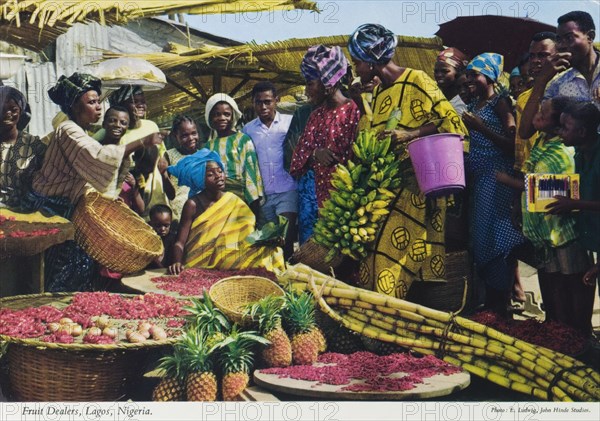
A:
(331, 128)
(20, 153)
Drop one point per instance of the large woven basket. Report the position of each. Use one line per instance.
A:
(232, 295)
(114, 235)
(50, 372)
(452, 295)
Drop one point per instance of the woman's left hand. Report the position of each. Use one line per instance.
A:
(325, 157)
(472, 121)
(563, 204)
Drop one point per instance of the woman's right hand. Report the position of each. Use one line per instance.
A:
(175, 268)
(152, 139)
(325, 157)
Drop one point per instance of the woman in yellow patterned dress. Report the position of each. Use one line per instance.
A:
(410, 245)
(214, 223)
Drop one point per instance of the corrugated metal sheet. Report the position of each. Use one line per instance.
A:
(81, 45)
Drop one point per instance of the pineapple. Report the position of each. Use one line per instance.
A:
(201, 382)
(208, 320)
(267, 312)
(343, 340)
(236, 359)
(300, 316)
(172, 386)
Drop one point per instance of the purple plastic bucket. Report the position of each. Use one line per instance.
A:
(438, 163)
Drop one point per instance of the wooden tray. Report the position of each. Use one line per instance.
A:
(432, 387)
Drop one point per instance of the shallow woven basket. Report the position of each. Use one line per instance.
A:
(232, 295)
(50, 372)
(114, 235)
(452, 295)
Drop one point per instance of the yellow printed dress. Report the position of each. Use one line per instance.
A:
(217, 239)
(410, 244)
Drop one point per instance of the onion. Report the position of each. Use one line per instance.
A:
(110, 332)
(95, 331)
(53, 327)
(66, 329)
(158, 333)
(136, 337)
(102, 322)
(144, 333)
(76, 330)
(145, 326)
(65, 320)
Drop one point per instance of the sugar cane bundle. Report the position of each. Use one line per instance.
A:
(360, 198)
(479, 349)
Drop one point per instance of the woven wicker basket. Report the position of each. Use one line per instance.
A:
(231, 295)
(452, 295)
(114, 235)
(313, 254)
(50, 372)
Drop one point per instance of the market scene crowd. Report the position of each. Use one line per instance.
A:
(204, 195)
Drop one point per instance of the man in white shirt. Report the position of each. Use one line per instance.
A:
(268, 133)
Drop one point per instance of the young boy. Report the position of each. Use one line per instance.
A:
(161, 217)
(115, 124)
(579, 128)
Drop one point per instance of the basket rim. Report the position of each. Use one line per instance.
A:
(235, 277)
(34, 342)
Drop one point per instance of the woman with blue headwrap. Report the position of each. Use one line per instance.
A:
(214, 223)
(492, 129)
(410, 102)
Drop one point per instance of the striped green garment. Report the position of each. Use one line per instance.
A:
(548, 156)
(241, 165)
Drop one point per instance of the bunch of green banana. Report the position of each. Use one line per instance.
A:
(360, 198)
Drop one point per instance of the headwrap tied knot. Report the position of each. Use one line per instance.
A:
(328, 64)
(191, 170)
(122, 94)
(372, 43)
(69, 89)
(8, 92)
(488, 64)
(453, 57)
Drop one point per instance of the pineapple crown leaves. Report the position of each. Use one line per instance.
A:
(237, 350)
(173, 364)
(206, 317)
(267, 312)
(299, 313)
(196, 356)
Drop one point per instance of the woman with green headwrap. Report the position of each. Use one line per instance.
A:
(74, 164)
(411, 241)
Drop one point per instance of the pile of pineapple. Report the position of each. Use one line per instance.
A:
(213, 359)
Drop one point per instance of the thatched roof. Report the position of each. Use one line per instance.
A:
(196, 74)
(33, 24)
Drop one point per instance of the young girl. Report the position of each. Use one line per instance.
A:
(492, 129)
(564, 260)
(235, 149)
(214, 223)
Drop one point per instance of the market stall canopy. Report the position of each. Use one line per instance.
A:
(505, 35)
(193, 75)
(34, 24)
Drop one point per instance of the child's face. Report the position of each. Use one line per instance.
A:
(161, 223)
(215, 178)
(543, 121)
(517, 86)
(187, 136)
(221, 117)
(116, 124)
(570, 131)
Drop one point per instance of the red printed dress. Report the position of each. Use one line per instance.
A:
(334, 129)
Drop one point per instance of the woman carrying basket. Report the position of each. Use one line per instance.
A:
(74, 164)
(411, 244)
